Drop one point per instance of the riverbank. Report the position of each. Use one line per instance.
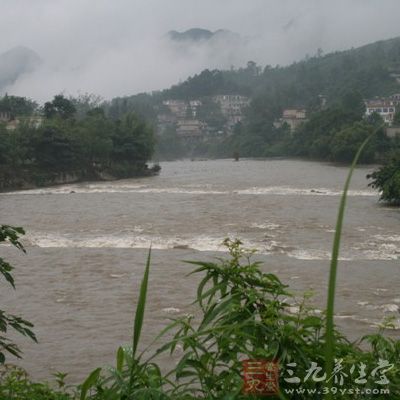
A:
(11, 180)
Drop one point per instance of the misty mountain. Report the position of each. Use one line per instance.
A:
(198, 48)
(198, 34)
(372, 70)
(16, 62)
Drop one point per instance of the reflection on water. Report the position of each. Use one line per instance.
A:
(87, 245)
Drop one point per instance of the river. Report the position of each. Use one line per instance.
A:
(87, 243)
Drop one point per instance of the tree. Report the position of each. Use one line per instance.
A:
(375, 119)
(54, 146)
(12, 148)
(387, 180)
(94, 138)
(169, 145)
(352, 101)
(396, 118)
(313, 137)
(17, 106)
(84, 103)
(133, 144)
(210, 112)
(8, 321)
(345, 143)
(60, 106)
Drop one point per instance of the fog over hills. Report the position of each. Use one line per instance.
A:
(198, 34)
(220, 49)
(122, 48)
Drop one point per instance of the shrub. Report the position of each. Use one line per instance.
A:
(387, 180)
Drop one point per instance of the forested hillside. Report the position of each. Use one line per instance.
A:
(343, 78)
(367, 69)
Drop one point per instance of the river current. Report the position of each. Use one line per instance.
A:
(87, 243)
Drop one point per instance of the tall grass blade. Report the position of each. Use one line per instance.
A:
(139, 316)
(330, 339)
(120, 359)
(89, 383)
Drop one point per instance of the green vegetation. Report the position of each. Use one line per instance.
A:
(8, 321)
(170, 145)
(335, 134)
(17, 106)
(43, 150)
(387, 180)
(16, 385)
(210, 113)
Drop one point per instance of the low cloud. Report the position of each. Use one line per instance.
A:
(120, 48)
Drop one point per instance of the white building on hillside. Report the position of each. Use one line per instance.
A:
(386, 108)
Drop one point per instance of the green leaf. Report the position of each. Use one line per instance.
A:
(217, 309)
(89, 383)
(120, 359)
(139, 316)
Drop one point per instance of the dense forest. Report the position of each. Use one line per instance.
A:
(56, 144)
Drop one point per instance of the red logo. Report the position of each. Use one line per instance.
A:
(261, 377)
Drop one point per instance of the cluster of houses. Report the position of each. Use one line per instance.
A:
(386, 107)
(183, 116)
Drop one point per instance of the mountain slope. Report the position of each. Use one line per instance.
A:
(372, 70)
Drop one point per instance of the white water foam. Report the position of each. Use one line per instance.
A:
(267, 225)
(71, 189)
(200, 243)
(136, 240)
(171, 310)
(388, 238)
(386, 308)
(380, 247)
(205, 190)
(284, 190)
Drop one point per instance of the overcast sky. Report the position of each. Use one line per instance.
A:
(118, 47)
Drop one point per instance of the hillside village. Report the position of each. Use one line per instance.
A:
(183, 116)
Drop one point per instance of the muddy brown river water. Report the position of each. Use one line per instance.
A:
(86, 248)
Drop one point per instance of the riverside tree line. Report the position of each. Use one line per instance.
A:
(40, 144)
